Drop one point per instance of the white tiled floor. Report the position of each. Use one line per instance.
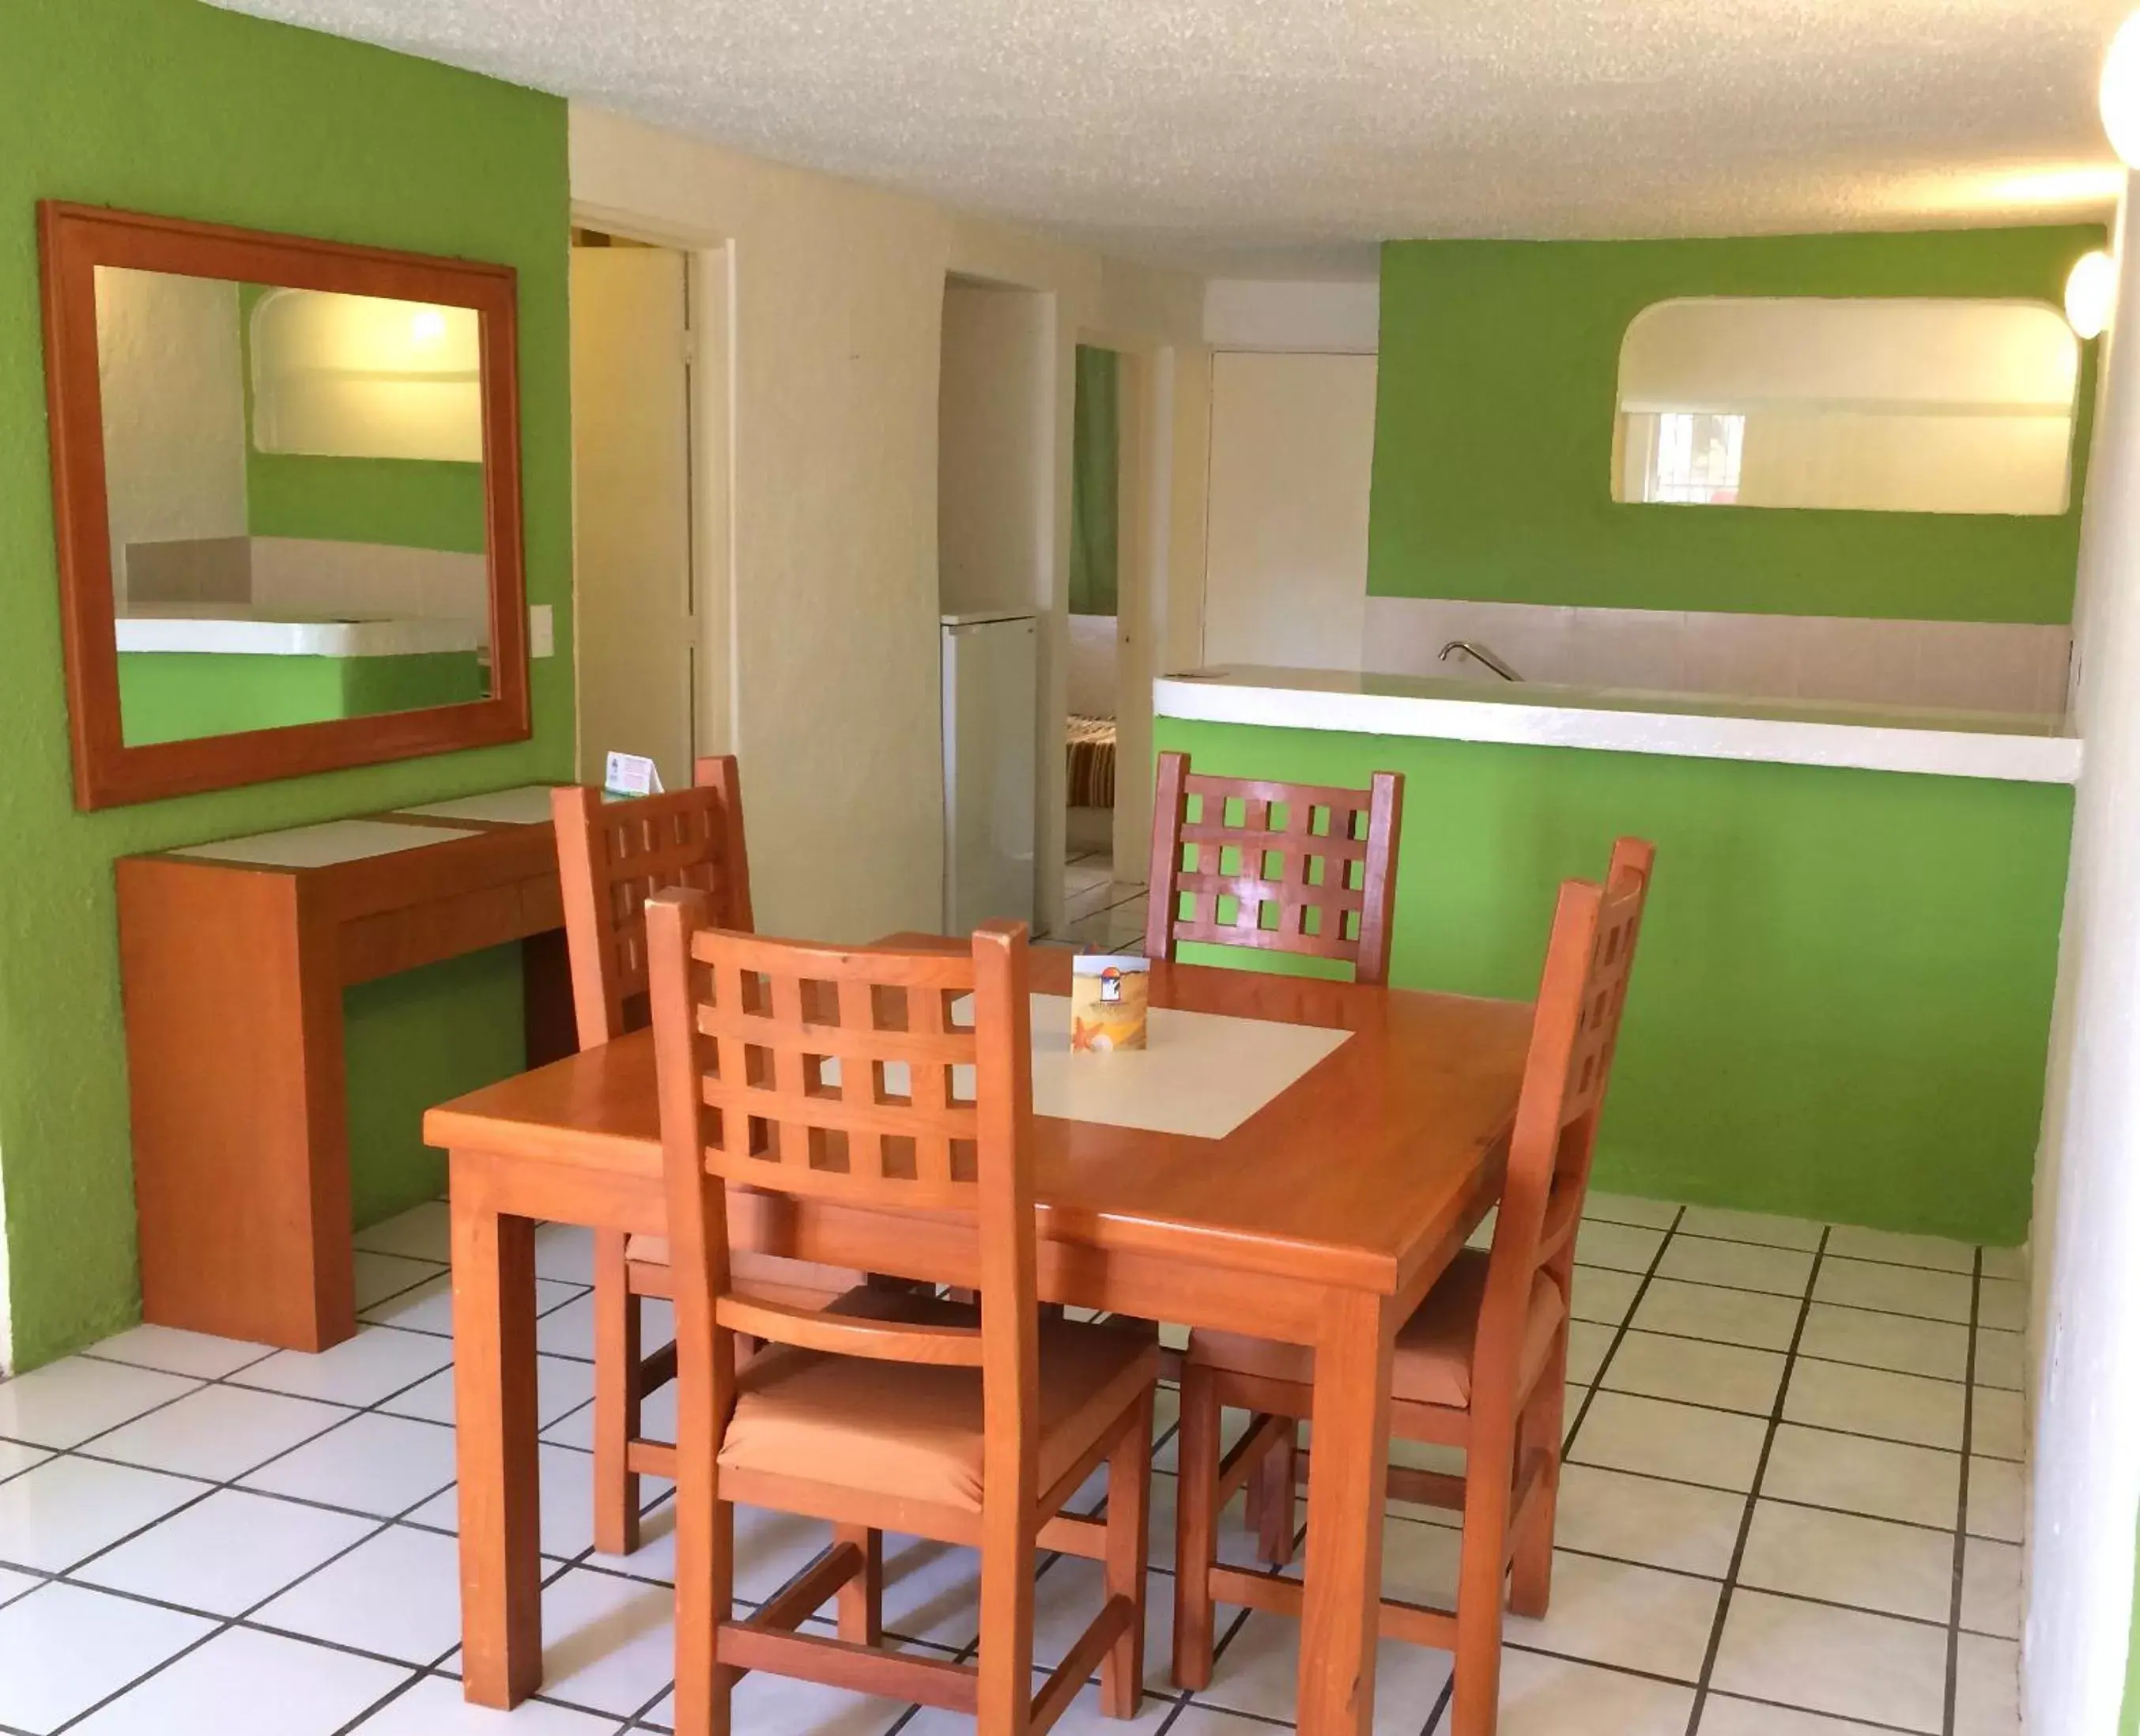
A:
(1100, 912)
(1776, 1429)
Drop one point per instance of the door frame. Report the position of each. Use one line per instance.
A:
(1143, 607)
(710, 314)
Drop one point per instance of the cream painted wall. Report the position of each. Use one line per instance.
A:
(2085, 1341)
(174, 403)
(837, 296)
(1293, 441)
(995, 435)
(1256, 314)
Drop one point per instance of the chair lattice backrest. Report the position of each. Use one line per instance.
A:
(612, 857)
(1298, 868)
(1605, 984)
(1582, 993)
(871, 1077)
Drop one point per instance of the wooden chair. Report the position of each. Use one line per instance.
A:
(1317, 882)
(1481, 1363)
(612, 857)
(1322, 862)
(886, 1411)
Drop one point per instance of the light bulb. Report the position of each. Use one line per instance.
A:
(2120, 92)
(2091, 291)
(428, 326)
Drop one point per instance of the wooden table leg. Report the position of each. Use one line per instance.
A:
(495, 1446)
(1346, 1476)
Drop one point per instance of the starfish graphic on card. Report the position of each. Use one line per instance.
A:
(1109, 998)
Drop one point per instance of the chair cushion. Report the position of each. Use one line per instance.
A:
(1433, 1360)
(766, 1276)
(913, 1430)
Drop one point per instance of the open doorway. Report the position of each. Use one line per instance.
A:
(1119, 480)
(649, 353)
(1101, 906)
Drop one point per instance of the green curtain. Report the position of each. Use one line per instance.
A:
(1094, 475)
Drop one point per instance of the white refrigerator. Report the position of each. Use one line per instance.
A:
(991, 670)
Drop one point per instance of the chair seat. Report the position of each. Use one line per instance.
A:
(914, 1431)
(756, 1273)
(1433, 1361)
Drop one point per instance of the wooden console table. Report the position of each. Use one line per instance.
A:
(233, 956)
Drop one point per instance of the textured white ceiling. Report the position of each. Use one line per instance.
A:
(1223, 135)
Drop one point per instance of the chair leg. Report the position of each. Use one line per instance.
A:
(1129, 1539)
(616, 1398)
(1272, 1498)
(705, 1593)
(1530, 1580)
(1195, 1525)
(1474, 1708)
(1003, 1693)
(862, 1598)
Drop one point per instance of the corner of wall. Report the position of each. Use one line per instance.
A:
(7, 1311)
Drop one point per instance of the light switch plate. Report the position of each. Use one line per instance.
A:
(542, 634)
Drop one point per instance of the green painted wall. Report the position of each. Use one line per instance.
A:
(177, 696)
(2129, 1722)
(1095, 482)
(1843, 998)
(170, 105)
(409, 502)
(413, 1041)
(1495, 404)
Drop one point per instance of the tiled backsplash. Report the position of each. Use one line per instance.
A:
(1957, 666)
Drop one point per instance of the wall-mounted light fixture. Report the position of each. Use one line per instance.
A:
(2091, 293)
(2119, 93)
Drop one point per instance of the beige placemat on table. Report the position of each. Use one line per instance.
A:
(1203, 1074)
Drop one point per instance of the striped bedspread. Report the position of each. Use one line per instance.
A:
(1090, 744)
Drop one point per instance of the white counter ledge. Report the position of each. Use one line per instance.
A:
(1689, 726)
(225, 631)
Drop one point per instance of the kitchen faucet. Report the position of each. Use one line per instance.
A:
(1479, 653)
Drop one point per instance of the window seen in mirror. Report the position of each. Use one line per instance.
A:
(366, 377)
(1697, 458)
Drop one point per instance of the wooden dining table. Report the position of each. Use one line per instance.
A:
(1321, 1220)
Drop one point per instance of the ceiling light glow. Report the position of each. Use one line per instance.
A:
(2120, 92)
(2091, 291)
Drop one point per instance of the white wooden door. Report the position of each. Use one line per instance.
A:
(1293, 443)
(636, 637)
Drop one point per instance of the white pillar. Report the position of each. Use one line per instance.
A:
(2085, 1346)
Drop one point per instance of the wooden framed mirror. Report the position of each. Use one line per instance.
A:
(286, 478)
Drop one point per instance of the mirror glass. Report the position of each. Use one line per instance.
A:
(295, 487)
(1888, 405)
